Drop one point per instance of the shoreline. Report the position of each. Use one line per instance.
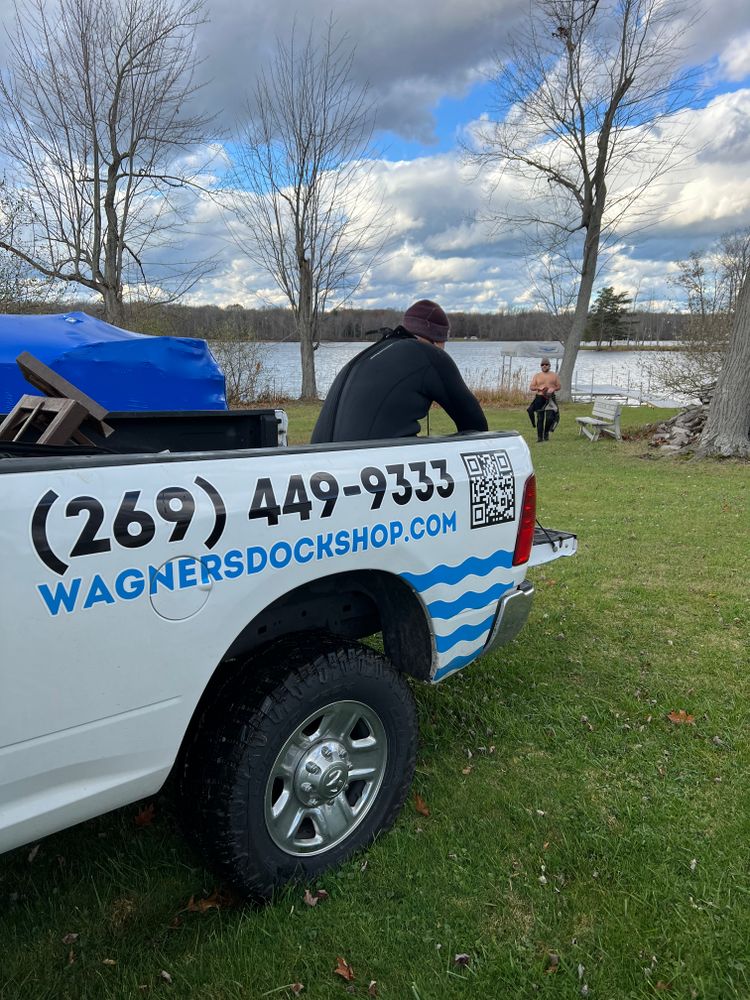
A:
(589, 348)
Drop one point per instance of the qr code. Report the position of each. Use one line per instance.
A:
(492, 488)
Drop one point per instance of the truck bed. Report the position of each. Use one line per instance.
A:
(144, 432)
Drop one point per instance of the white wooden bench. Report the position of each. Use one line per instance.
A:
(604, 419)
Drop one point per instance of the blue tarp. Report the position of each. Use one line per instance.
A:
(119, 369)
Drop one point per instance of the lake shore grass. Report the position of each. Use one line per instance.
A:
(579, 842)
(614, 348)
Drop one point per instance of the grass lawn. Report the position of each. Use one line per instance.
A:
(578, 843)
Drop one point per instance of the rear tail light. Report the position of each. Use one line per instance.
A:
(525, 538)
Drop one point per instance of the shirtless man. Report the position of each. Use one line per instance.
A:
(544, 385)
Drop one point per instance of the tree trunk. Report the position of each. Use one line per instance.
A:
(306, 330)
(580, 316)
(307, 357)
(114, 310)
(727, 430)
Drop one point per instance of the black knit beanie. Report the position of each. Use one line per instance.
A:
(426, 319)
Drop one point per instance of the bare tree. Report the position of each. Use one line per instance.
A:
(553, 277)
(727, 430)
(734, 260)
(93, 116)
(20, 286)
(702, 280)
(580, 102)
(303, 184)
(709, 280)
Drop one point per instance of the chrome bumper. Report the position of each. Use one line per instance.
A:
(510, 617)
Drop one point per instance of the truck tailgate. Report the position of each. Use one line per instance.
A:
(550, 544)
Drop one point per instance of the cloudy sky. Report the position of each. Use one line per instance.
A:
(427, 64)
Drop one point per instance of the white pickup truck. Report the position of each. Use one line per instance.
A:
(198, 614)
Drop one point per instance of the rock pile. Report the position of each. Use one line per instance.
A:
(680, 433)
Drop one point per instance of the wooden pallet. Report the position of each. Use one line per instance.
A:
(58, 415)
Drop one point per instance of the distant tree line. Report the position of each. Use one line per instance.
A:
(234, 322)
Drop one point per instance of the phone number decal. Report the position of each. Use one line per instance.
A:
(324, 487)
(136, 522)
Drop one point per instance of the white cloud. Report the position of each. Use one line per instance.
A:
(735, 59)
(713, 192)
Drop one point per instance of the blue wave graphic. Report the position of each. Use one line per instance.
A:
(445, 642)
(470, 600)
(456, 664)
(473, 566)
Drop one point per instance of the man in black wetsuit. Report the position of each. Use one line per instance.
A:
(389, 387)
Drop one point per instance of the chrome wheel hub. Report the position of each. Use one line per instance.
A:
(322, 774)
(325, 778)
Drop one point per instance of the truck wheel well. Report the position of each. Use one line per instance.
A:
(341, 607)
(349, 605)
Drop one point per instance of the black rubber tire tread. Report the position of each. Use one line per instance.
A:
(240, 730)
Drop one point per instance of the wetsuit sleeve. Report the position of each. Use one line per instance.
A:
(323, 429)
(453, 394)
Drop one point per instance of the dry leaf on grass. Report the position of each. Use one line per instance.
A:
(461, 959)
(553, 962)
(33, 852)
(343, 969)
(420, 805)
(108, 961)
(681, 718)
(661, 985)
(296, 988)
(70, 938)
(145, 816)
(372, 989)
(165, 976)
(216, 901)
(71, 957)
(313, 898)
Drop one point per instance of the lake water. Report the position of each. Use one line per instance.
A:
(481, 363)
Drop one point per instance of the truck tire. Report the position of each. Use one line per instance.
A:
(300, 758)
